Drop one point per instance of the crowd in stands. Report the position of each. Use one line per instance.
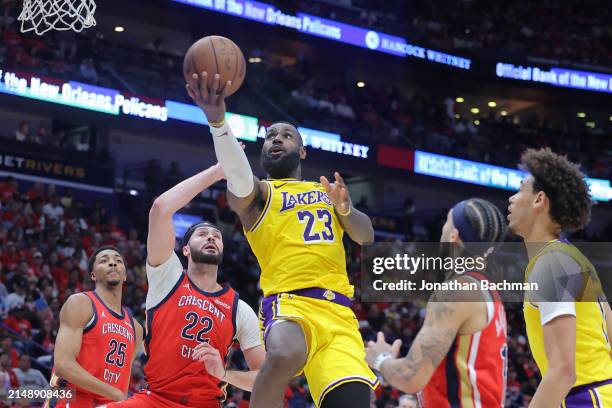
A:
(46, 237)
(385, 114)
(377, 112)
(569, 31)
(76, 141)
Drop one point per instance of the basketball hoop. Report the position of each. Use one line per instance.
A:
(41, 16)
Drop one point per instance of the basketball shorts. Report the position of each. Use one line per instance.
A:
(594, 395)
(336, 353)
(150, 399)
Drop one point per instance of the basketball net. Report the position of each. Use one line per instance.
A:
(41, 16)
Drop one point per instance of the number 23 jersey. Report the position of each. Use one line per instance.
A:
(297, 239)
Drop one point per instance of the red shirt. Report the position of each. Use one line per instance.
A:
(21, 326)
(106, 352)
(187, 317)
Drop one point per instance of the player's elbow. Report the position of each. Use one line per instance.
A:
(61, 366)
(564, 372)
(410, 386)
(159, 207)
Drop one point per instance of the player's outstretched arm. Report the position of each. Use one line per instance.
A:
(357, 224)
(246, 192)
(560, 347)
(160, 240)
(75, 314)
(412, 373)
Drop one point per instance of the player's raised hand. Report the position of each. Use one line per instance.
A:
(211, 358)
(374, 349)
(338, 194)
(211, 99)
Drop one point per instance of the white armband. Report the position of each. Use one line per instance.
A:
(233, 160)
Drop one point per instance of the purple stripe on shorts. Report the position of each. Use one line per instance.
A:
(580, 397)
(324, 294)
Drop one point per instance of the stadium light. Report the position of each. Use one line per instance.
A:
(254, 60)
(133, 192)
(119, 29)
(459, 100)
(504, 113)
(477, 122)
(360, 84)
(458, 116)
(581, 115)
(590, 125)
(475, 111)
(610, 118)
(492, 104)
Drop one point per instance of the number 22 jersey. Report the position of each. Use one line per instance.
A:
(297, 239)
(179, 317)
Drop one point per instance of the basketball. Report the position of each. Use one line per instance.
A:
(216, 55)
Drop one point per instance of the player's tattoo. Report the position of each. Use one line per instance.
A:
(429, 347)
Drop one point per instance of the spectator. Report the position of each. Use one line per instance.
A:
(5, 366)
(17, 298)
(29, 378)
(18, 323)
(23, 133)
(88, 71)
(53, 211)
(173, 176)
(9, 349)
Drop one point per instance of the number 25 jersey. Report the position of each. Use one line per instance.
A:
(297, 239)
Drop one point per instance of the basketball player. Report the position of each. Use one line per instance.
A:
(192, 321)
(295, 229)
(97, 338)
(458, 358)
(569, 339)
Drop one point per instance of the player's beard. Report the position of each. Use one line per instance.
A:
(198, 256)
(281, 167)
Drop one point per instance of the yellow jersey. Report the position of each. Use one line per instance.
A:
(297, 240)
(593, 361)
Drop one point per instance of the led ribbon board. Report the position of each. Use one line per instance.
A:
(329, 29)
(468, 171)
(561, 77)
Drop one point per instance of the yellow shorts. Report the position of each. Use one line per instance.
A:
(336, 353)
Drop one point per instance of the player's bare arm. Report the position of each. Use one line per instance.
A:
(356, 224)
(246, 193)
(443, 321)
(160, 240)
(560, 347)
(138, 339)
(213, 363)
(75, 314)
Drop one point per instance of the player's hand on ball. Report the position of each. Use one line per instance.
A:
(374, 349)
(211, 358)
(210, 99)
(338, 194)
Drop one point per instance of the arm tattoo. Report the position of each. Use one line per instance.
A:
(429, 347)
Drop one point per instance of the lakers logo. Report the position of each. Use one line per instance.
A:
(329, 295)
